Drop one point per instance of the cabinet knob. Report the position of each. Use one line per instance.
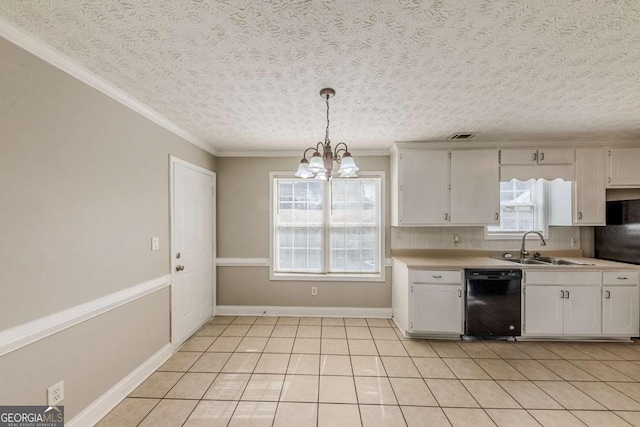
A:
(437, 277)
(579, 215)
(497, 216)
(459, 293)
(446, 217)
(562, 294)
(607, 294)
(542, 157)
(535, 156)
(621, 278)
(567, 294)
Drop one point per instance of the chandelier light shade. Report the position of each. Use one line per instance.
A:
(321, 163)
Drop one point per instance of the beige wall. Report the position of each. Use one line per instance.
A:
(243, 232)
(90, 357)
(84, 186)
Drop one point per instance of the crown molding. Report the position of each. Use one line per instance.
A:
(46, 52)
(515, 144)
(294, 153)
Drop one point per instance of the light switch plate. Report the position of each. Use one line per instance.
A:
(155, 243)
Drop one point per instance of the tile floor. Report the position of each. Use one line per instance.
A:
(332, 372)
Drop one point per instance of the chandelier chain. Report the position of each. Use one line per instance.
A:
(326, 137)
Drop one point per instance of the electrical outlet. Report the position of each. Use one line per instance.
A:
(155, 243)
(55, 394)
(314, 291)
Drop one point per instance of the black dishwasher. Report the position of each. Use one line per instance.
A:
(492, 303)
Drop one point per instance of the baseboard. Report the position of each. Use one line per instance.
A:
(105, 403)
(249, 310)
(20, 336)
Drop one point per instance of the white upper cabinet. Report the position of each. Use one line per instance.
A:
(475, 187)
(539, 156)
(590, 193)
(444, 187)
(624, 169)
(423, 190)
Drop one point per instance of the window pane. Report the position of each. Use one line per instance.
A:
(518, 210)
(354, 236)
(299, 225)
(300, 202)
(299, 249)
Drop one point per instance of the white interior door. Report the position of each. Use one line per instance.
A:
(192, 285)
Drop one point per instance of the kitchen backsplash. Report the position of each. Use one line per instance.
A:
(473, 238)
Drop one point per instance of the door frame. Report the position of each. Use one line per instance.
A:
(173, 160)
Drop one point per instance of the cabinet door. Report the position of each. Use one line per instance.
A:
(623, 166)
(590, 187)
(475, 187)
(436, 308)
(620, 310)
(519, 156)
(582, 310)
(543, 310)
(555, 156)
(424, 187)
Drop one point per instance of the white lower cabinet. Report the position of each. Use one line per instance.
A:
(543, 310)
(590, 304)
(427, 302)
(582, 312)
(562, 310)
(436, 308)
(620, 310)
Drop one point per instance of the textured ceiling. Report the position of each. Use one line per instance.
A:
(245, 74)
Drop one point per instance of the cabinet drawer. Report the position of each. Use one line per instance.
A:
(555, 156)
(518, 156)
(620, 278)
(436, 276)
(563, 277)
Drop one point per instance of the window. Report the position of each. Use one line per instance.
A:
(521, 209)
(327, 228)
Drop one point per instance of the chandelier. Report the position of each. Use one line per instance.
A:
(321, 163)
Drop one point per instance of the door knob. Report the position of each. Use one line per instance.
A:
(179, 267)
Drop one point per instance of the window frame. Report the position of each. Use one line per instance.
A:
(326, 249)
(541, 204)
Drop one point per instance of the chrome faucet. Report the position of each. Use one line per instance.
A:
(523, 252)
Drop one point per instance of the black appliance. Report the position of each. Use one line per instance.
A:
(492, 303)
(619, 240)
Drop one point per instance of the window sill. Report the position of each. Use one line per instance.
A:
(321, 277)
(513, 236)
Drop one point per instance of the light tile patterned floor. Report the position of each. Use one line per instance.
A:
(331, 372)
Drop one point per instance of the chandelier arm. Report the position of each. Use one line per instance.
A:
(304, 155)
(320, 147)
(338, 150)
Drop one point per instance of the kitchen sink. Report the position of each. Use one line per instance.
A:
(560, 261)
(541, 261)
(523, 261)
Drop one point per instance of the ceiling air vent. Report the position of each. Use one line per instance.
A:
(465, 135)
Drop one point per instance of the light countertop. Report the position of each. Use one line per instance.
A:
(460, 259)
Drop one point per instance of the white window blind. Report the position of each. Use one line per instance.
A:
(327, 227)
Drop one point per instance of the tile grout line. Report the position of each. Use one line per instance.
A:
(506, 357)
